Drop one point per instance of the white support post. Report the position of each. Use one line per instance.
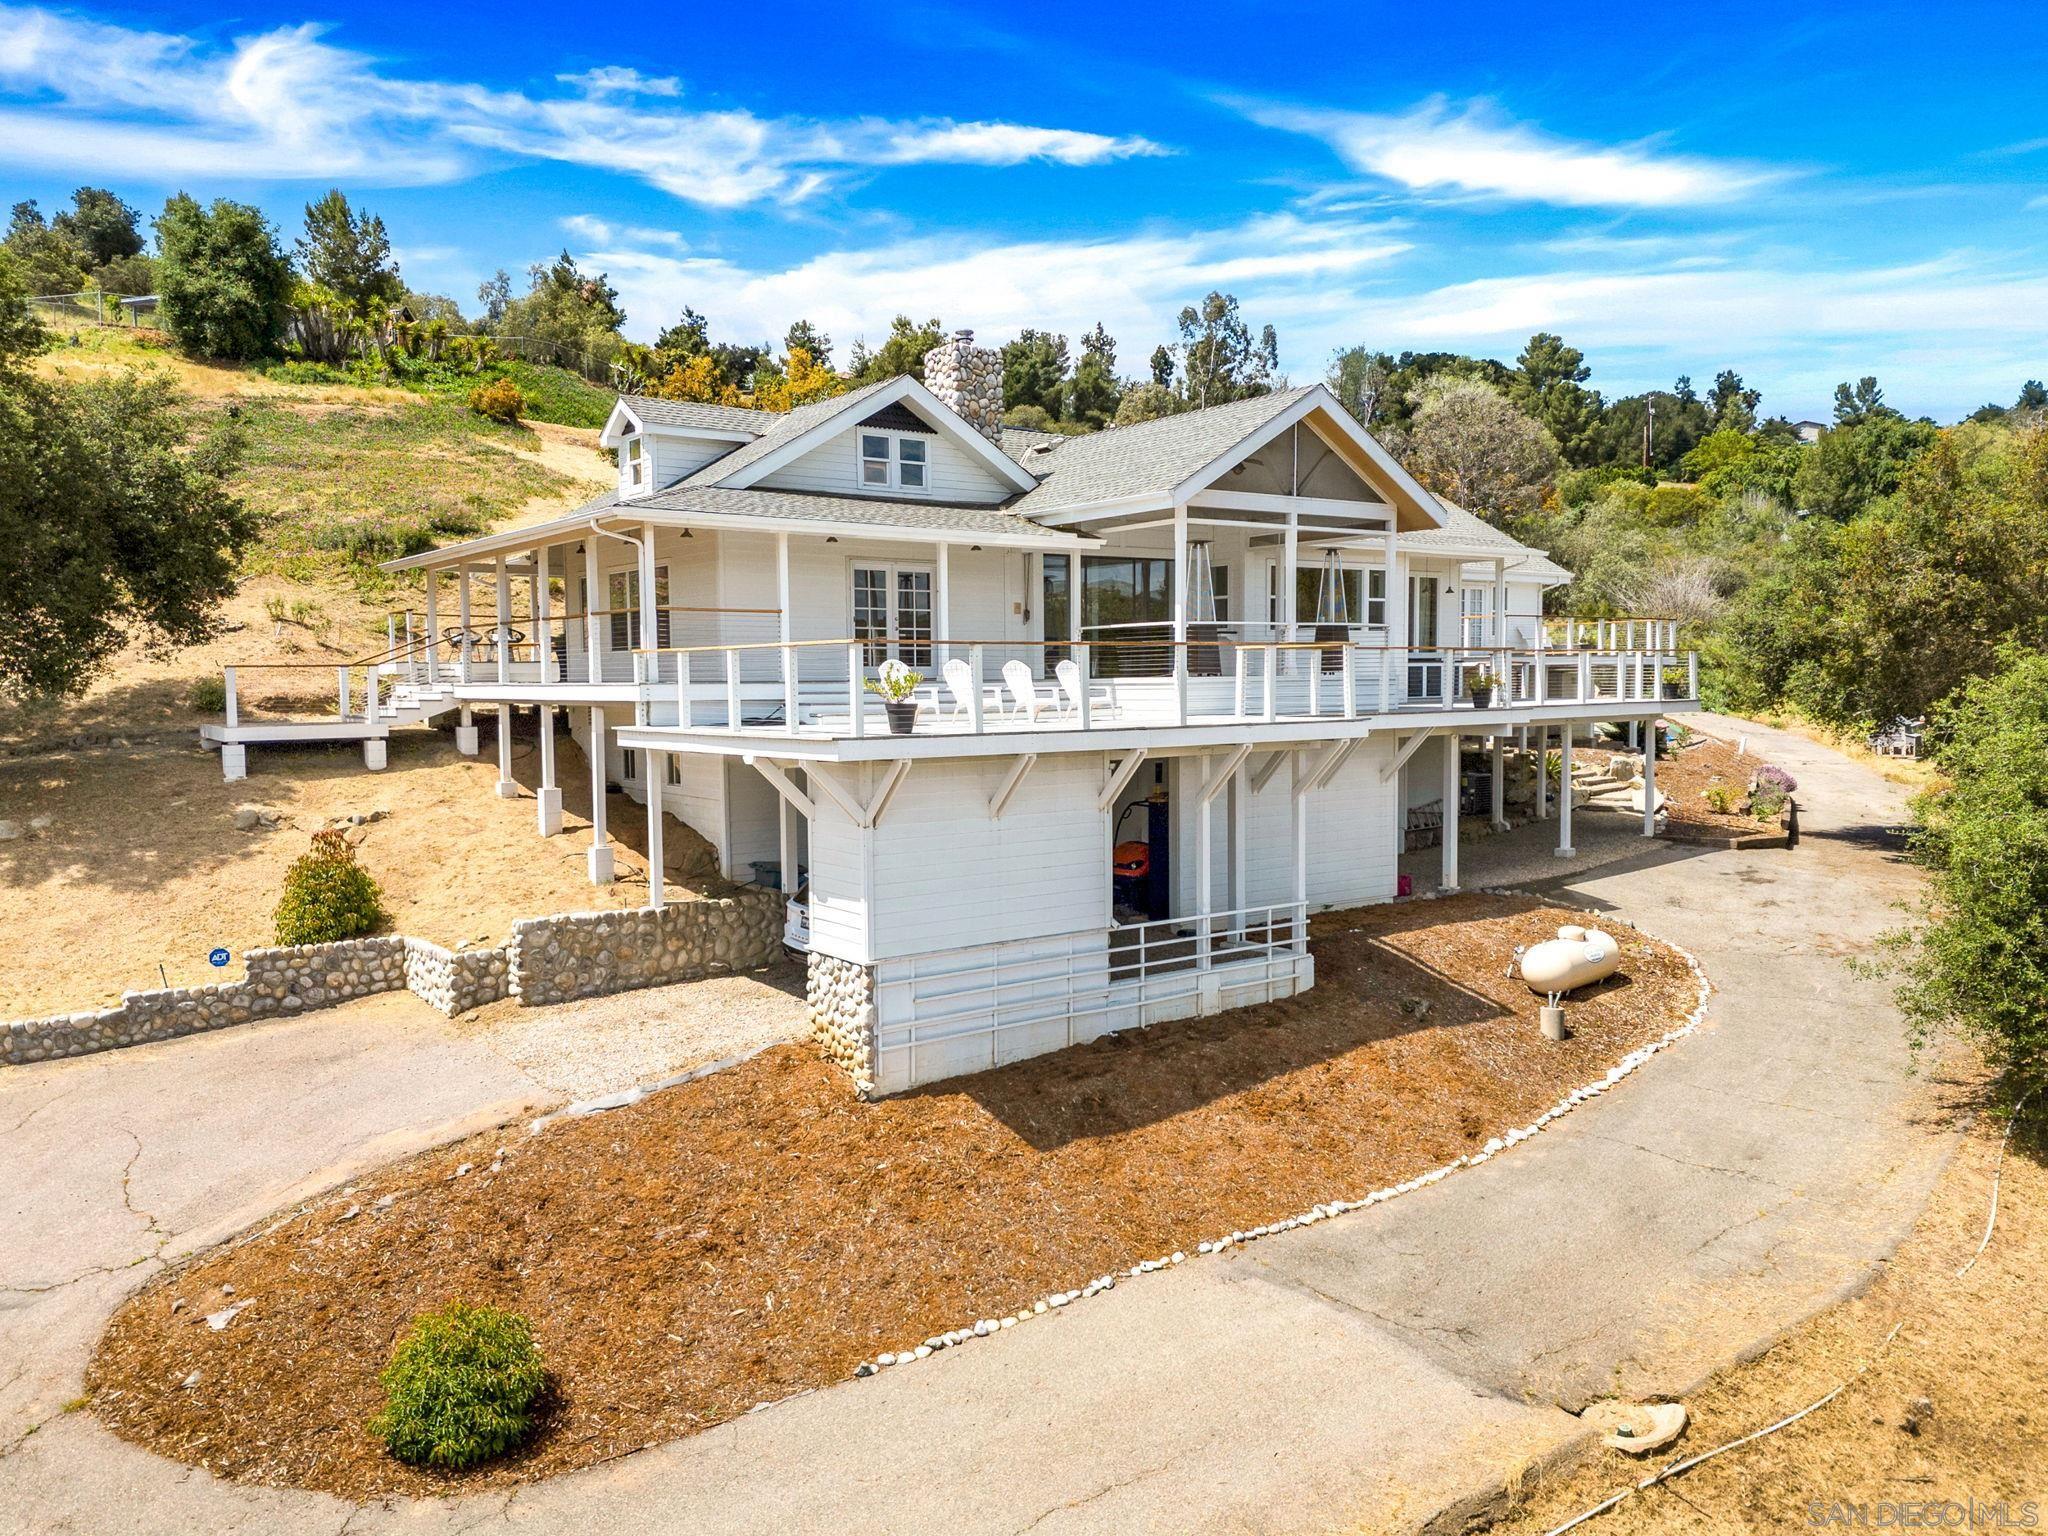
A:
(341, 693)
(465, 732)
(1205, 900)
(733, 713)
(1541, 734)
(855, 687)
(593, 600)
(650, 609)
(1650, 777)
(1396, 665)
(942, 590)
(550, 796)
(1692, 674)
(1349, 679)
(1585, 679)
(234, 702)
(602, 868)
(507, 788)
(785, 846)
(1269, 700)
(1240, 801)
(1084, 706)
(1499, 776)
(1290, 583)
(465, 644)
(1499, 638)
(433, 627)
(503, 578)
(1565, 850)
(974, 701)
(543, 616)
(1450, 797)
(655, 766)
(789, 654)
(1298, 811)
(1180, 613)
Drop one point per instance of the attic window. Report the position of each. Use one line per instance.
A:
(892, 461)
(636, 471)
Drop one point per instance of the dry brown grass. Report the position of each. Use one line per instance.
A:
(1976, 1348)
(762, 1231)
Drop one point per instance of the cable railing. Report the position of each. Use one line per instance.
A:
(823, 687)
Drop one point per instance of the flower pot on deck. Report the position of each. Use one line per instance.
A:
(902, 715)
(1482, 698)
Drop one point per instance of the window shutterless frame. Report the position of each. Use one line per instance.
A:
(893, 461)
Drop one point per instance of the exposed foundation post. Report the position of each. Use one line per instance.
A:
(1500, 785)
(1540, 739)
(373, 753)
(1565, 850)
(465, 733)
(234, 761)
(1450, 790)
(1650, 778)
(655, 765)
(550, 796)
(507, 788)
(602, 871)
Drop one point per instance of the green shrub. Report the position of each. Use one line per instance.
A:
(327, 895)
(1721, 799)
(500, 399)
(460, 1388)
(208, 696)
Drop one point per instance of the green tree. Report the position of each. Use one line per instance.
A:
(689, 337)
(1472, 444)
(100, 225)
(115, 522)
(902, 352)
(1732, 404)
(1864, 402)
(1549, 385)
(1096, 393)
(1978, 961)
(1851, 466)
(46, 261)
(802, 336)
(1162, 365)
(495, 295)
(1035, 372)
(349, 254)
(1147, 402)
(566, 307)
(225, 283)
(1220, 358)
(1358, 377)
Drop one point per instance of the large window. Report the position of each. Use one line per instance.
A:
(894, 461)
(624, 617)
(1128, 601)
(1364, 590)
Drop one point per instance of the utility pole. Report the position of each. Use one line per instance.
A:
(1649, 426)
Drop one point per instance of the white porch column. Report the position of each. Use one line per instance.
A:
(1290, 603)
(601, 867)
(942, 605)
(543, 616)
(655, 766)
(1499, 777)
(1180, 619)
(507, 789)
(650, 615)
(1650, 777)
(433, 628)
(1240, 806)
(465, 733)
(1449, 880)
(1499, 638)
(1565, 849)
(593, 600)
(783, 632)
(1396, 654)
(503, 579)
(550, 796)
(1295, 771)
(465, 645)
(1541, 735)
(1205, 899)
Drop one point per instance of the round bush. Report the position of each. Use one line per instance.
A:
(460, 1387)
(328, 896)
(500, 400)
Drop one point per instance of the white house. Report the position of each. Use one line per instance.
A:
(1184, 682)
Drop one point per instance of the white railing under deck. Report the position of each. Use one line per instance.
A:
(819, 687)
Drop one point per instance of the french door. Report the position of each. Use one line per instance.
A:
(892, 613)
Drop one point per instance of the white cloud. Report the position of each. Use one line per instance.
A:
(595, 231)
(1287, 270)
(286, 104)
(1472, 150)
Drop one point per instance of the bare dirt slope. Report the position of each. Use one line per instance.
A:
(141, 865)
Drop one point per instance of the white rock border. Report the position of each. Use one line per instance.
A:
(986, 1327)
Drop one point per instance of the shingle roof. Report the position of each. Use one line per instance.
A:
(656, 412)
(1136, 460)
(1464, 533)
(807, 506)
(780, 429)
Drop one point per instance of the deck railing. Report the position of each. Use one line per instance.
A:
(820, 687)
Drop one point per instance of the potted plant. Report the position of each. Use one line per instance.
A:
(1479, 684)
(894, 687)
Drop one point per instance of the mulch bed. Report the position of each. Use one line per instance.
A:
(1685, 776)
(761, 1231)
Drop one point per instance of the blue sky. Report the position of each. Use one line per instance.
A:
(1804, 196)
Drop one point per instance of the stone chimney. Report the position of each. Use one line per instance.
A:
(970, 380)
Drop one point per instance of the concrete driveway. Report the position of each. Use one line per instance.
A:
(1369, 1372)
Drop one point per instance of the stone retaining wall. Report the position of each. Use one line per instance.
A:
(549, 960)
(584, 954)
(841, 995)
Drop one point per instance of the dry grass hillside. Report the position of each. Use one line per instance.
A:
(129, 867)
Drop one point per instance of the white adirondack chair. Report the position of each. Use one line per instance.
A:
(1024, 689)
(1101, 697)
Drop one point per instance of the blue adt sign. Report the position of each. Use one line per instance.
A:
(218, 957)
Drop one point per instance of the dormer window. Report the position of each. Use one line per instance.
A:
(893, 461)
(636, 469)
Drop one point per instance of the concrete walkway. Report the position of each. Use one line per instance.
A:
(1370, 1372)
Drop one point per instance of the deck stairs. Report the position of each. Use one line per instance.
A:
(409, 704)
